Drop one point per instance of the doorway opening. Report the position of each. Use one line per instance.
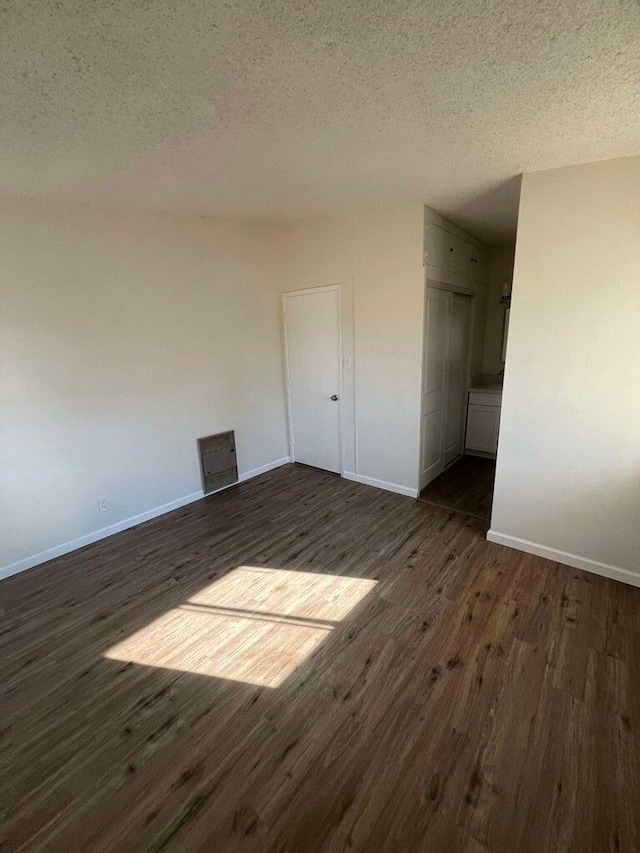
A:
(466, 486)
(459, 417)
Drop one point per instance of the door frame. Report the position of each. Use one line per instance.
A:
(306, 291)
(461, 291)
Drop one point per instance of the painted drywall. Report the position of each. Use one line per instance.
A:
(568, 470)
(377, 258)
(125, 337)
(500, 271)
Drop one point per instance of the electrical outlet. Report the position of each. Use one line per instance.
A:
(104, 504)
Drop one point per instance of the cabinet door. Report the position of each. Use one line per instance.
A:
(477, 264)
(483, 424)
(436, 246)
(454, 254)
(472, 263)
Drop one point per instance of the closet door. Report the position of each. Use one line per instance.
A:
(434, 382)
(457, 350)
(444, 380)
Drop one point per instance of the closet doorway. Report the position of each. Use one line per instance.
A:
(444, 380)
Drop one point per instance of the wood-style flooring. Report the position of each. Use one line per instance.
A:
(467, 487)
(302, 664)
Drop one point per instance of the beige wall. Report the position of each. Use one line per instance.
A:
(377, 258)
(568, 476)
(500, 270)
(127, 336)
(123, 339)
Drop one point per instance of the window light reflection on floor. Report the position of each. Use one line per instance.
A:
(254, 625)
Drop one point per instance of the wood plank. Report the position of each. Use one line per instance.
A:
(303, 663)
(466, 487)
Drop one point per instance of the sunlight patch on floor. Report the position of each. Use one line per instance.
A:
(254, 625)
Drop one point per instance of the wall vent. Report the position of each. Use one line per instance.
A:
(218, 463)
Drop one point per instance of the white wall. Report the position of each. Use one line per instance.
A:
(500, 270)
(568, 476)
(377, 258)
(123, 339)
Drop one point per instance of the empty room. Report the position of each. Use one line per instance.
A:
(319, 426)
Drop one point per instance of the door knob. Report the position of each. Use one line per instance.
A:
(334, 397)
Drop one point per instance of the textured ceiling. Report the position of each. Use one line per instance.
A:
(279, 109)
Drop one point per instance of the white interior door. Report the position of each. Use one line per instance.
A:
(457, 349)
(313, 351)
(444, 380)
(434, 383)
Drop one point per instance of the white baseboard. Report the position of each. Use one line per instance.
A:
(381, 484)
(248, 475)
(125, 524)
(96, 536)
(573, 560)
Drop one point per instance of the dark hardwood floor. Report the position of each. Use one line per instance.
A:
(467, 487)
(392, 682)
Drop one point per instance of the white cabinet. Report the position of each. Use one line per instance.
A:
(475, 263)
(483, 422)
(452, 256)
(458, 257)
(437, 245)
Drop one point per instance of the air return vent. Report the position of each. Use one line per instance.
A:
(218, 461)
